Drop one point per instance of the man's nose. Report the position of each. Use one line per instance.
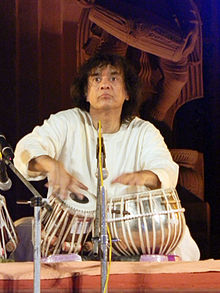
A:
(105, 83)
(105, 86)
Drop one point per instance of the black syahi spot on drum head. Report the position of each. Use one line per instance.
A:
(74, 197)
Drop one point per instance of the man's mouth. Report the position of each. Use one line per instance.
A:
(105, 96)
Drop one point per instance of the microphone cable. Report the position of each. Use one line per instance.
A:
(102, 187)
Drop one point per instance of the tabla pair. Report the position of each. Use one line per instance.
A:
(150, 222)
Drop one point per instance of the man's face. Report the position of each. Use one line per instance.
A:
(106, 88)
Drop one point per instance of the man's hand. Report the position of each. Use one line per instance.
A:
(60, 180)
(145, 177)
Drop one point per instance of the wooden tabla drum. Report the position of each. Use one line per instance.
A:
(8, 236)
(67, 227)
(150, 222)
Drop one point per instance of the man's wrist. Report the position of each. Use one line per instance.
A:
(152, 180)
(42, 164)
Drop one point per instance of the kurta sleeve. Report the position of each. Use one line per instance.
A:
(47, 139)
(156, 157)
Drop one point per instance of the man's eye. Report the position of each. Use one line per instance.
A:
(97, 79)
(113, 78)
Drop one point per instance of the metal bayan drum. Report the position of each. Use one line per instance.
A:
(150, 222)
(8, 236)
(66, 229)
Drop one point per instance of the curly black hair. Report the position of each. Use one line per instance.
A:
(132, 83)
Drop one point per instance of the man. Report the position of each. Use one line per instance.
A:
(63, 149)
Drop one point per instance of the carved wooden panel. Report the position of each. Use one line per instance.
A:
(169, 50)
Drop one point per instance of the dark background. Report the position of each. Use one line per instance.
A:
(25, 100)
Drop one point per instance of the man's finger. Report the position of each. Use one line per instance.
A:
(63, 194)
(121, 179)
(127, 179)
(79, 184)
(56, 188)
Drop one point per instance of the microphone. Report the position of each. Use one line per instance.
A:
(5, 182)
(104, 170)
(5, 148)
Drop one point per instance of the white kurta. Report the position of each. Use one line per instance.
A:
(69, 136)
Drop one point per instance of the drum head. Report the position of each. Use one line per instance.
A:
(87, 204)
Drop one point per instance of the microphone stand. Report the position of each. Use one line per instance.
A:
(37, 202)
(100, 229)
(104, 240)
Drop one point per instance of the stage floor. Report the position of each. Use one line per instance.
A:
(125, 277)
